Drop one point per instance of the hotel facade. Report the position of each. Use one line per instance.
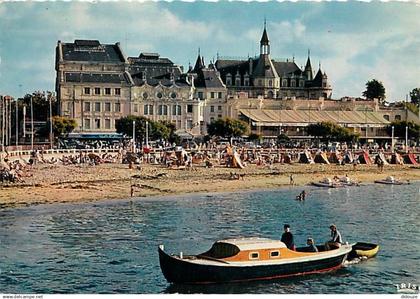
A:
(97, 84)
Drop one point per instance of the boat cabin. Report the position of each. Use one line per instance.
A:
(250, 249)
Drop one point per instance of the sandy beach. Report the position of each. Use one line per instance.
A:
(81, 183)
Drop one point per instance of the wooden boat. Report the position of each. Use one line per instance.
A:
(391, 181)
(247, 259)
(362, 249)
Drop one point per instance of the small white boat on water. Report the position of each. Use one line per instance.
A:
(327, 183)
(391, 181)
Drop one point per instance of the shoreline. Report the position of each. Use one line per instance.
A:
(51, 184)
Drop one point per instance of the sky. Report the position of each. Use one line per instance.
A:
(353, 41)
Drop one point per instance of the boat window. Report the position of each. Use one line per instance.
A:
(275, 253)
(222, 250)
(254, 256)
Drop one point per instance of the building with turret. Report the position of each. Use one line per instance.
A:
(265, 77)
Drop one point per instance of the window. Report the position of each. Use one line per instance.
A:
(189, 124)
(97, 123)
(176, 110)
(220, 95)
(254, 256)
(107, 91)
(159, 95)
(238, 81)
(136, 108)
(211, 108)
(259, 82)
(189, 108)
(97, 107)
(274, 254)
(107, 124)
(211, 119)
(107, 107)
(270, 83)
(324, 84)
(148, 109)
(97, 90)
(212, 95)
(145, 95)
(117, 107)
(69, 106)
(173, 95)
(246, 81)
(87, 106)
(228, 79)
(200, 95)
(87, 123)
(87, 90)
(219, 116)
(397, 117)
(293, 83)
(219, 108)
(301, 83)
(162, 110)
(117, 91)
(284, 82)
(386, 117)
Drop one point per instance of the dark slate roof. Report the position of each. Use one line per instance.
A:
(199, 64)
(317, 81)
(265, 68)
(97, 78)
(208, 78)
(286, 68)
(92, 51)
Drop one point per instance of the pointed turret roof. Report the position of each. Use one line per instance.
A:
(264, 38)
(199, 63)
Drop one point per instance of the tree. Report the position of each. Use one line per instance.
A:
(399, 129)
(375, 89)
(228, 128)
(255, 137)
(157, 129)
(331, 131)
(62, 125)
(415, 96)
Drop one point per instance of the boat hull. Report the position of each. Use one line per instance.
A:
(178, 270)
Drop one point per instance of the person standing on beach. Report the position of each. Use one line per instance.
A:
(292, 181)
(287, 238)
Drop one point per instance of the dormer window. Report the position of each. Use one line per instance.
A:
(284, 82)
(229, 79)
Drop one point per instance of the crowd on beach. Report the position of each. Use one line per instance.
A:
(15, 169)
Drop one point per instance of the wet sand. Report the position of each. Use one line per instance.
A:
(74, 183)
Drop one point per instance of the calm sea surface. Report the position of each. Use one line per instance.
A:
(111, 247)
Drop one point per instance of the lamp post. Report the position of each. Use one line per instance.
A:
(147, 134)
(51, 122)
(406, 139)
(134, 136)
(392, 139)
(17, 124)
(32, 125)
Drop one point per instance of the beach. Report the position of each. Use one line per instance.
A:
(56, 183)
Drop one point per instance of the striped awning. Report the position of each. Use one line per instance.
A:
(302, 118)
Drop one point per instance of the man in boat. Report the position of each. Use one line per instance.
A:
(336, 239)
(287, 238)
(311, 245)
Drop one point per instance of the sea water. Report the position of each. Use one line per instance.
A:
(111, 247)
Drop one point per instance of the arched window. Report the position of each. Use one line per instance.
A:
(397, 117)
(284, 82)
(176, 110)
(301, 83)
(162, 110)
(293, 83)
